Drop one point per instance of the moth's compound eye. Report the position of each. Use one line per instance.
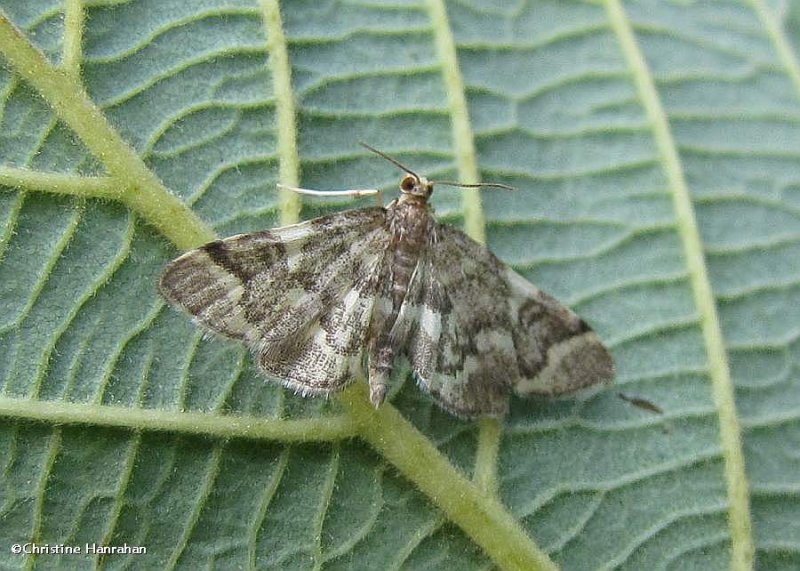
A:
(408, 183)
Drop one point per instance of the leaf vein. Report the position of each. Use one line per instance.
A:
(722, 387)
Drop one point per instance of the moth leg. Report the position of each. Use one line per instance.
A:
(380, 369)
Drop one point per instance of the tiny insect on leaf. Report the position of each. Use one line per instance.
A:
(641, 403)
(324, 301)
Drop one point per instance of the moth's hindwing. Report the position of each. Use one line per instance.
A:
(301, 296)
(557, 351)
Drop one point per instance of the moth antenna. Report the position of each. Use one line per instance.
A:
(444, 182)
(476, 185)
(390, 159)
(349, 192)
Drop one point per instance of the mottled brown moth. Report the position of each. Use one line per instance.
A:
(322, 301)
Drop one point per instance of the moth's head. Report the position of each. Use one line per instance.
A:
(416, 186)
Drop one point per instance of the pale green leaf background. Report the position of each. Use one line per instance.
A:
(656, 149)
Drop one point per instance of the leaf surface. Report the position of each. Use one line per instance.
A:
(654, 148)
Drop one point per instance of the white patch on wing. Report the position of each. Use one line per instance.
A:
(296, 233)
(430, 321)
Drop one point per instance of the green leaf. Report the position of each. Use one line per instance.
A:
(654, 148)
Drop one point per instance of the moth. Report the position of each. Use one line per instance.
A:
(320, 302)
